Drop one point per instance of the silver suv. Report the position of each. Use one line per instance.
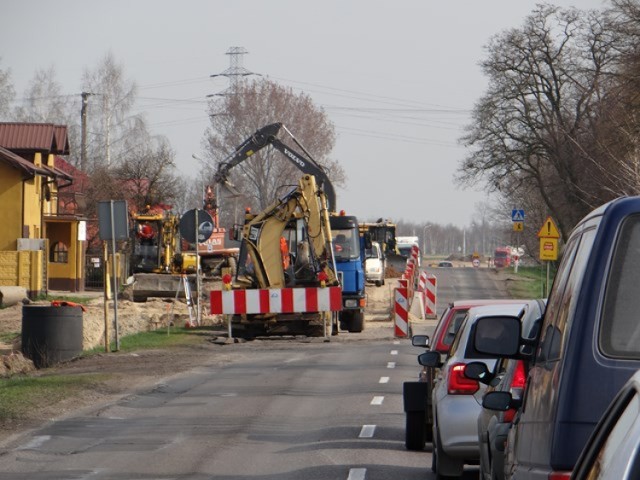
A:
(456, 399)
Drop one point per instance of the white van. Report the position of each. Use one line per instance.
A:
(374, 264)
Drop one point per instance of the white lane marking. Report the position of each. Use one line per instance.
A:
(357, 474)
(377, 400)
(397, 342)
(391, 365)
(367, 431)
(384, 380)
(394, 352)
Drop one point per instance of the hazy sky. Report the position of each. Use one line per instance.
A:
(398, 79)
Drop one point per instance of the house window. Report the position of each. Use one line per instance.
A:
(59, 253)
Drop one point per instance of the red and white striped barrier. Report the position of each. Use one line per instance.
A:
(422, 282)
(403, 295)
(430, 296)
(281, 300)
(401, 312)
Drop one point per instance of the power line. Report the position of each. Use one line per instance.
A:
(402, 138)
(368, 96)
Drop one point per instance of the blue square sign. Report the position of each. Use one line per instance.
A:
(517, 215)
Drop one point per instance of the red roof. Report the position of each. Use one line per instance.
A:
(28, 169)
(34, 137)
(80, 179)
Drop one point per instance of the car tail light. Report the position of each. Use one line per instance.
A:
(517, 386)
(560, 476)
(458, 383)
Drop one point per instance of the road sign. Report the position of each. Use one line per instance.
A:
(188, 226)
(517, 215)
(549, 229)
(518, 226)
(113, 220)
(548, 249)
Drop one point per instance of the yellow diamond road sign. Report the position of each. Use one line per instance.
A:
(549, 229)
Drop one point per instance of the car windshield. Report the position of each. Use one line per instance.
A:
(346, 244)
(373, 252)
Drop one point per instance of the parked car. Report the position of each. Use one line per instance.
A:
(509, 375)
(417, 395)
(456, 399)
(588, 347)
(445, 265)
(612, 452)
(374, 265)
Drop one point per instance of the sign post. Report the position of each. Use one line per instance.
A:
(113, 224)
(548, 235)
(517, 218)
(196, 226)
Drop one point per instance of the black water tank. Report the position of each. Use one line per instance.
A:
(51, 334)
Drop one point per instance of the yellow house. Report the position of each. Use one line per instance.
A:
(41, 246)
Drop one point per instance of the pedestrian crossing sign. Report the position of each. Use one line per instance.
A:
(517, 215)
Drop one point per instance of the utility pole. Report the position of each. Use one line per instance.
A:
(83, 120)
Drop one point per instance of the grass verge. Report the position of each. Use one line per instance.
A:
(529, 282)
(19, 396)
(159, 339)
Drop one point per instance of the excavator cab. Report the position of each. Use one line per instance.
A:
(289, 243)
(299, 264)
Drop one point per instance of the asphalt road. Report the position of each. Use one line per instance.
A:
(285, 410)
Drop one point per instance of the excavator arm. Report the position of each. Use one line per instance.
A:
(267, 135)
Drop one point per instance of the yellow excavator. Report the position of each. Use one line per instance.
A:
(156, 260)
(286, 250)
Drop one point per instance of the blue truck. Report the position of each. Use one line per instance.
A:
(349, 250)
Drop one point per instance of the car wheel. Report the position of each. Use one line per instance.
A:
(378, 283)
(356, 325)
(444, 466)
(345, 318)
(415, 431)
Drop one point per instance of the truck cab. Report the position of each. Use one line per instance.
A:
(349, 254)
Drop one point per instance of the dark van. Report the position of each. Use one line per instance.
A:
(589, 343)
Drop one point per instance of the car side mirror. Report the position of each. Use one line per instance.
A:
(500, 401)
(478, 371)
(420, 341)
(497, 336)
(430, 359)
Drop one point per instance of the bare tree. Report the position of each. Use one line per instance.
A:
(546, 82)
(147, 170)
(110, 120)
(43, 100)
(256, 104)
(7, 93)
